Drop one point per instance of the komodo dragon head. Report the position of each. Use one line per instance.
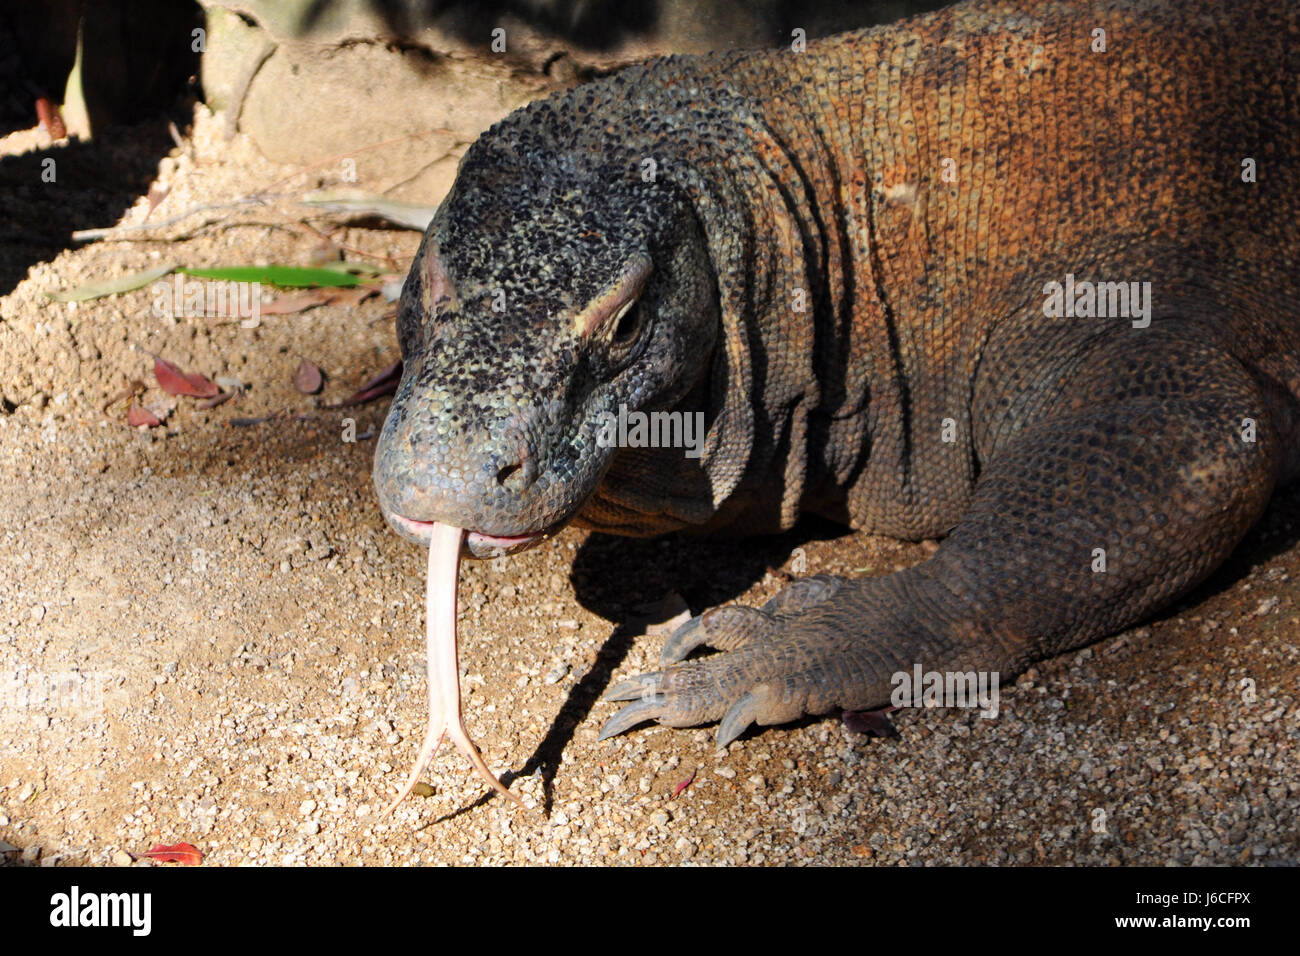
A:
(556, 283)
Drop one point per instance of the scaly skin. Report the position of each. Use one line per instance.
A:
(914, 187)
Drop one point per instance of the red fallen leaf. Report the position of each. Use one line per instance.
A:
(393, 371)
(176, 853)
(385, 383)
(219, 399)
(137, 415)
(683, 785)
(308, 378)
(310, 298)
(357, 294)
(176, 382)
(296, 302)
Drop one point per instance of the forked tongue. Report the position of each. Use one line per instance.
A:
(444, 683)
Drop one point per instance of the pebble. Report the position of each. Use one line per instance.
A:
(555, 674)
(1267, 605)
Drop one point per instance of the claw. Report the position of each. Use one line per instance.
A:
(737, 718)
(681, 642)
(648, 708)
(636, 688)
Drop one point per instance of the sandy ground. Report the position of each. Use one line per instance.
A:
(208, 635)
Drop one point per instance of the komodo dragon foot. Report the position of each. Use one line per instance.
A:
(793, 656)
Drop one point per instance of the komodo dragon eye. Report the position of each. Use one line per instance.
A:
(614, 322)
(623, 336)
(627, 324)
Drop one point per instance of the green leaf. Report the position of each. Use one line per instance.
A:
(286, 277)
(356, 268)
(97, 290)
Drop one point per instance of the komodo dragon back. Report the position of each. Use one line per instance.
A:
(1022, 275)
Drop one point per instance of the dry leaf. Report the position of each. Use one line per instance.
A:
(308, 379)
(385, 383)
(297, 302)
(176, 382)
(677, 790)
(310, 298)
(137, 415)
(176, 853)
(218, 399)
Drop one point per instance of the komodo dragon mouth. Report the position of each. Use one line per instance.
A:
(476, 544)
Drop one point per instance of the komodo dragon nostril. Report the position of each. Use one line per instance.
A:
(515, 459)
(517, 476)
(510, 477)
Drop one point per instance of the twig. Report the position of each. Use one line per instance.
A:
(83, 235)
(360, 252)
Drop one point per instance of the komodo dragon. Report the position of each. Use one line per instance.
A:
(875, 267)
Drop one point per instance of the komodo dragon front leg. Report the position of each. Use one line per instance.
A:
(1139, 458)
